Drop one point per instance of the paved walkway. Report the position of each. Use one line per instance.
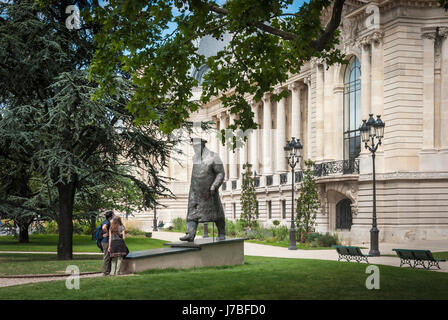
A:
(51, 252)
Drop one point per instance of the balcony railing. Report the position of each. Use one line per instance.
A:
(320, 170)
(336, 167)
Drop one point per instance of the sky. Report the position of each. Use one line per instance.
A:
(291, 9)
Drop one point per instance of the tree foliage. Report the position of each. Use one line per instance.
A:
(249, 208)
(267, 45)
(308, 202)
(51, 129)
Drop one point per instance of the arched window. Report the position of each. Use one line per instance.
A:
(352, 109)
(344, 214)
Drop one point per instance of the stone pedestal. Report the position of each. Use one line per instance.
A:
(200, 253)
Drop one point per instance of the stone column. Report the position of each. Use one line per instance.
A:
(214, 143)
(307, 81)
(319, 112)
(253, 143)
(365, 80)
(338, 112)
(428, 88)
(267, 135)
(377, 74)
(223, 148)
(443, 32)
(328, 115)
(365, 88)
(296, 116)
(233, 164)
(280, 160)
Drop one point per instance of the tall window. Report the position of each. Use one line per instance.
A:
(352, 109)
(269, 205)
(283, 209)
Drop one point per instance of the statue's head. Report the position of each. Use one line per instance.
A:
(198, 145)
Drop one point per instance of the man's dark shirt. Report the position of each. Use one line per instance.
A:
(105, 235)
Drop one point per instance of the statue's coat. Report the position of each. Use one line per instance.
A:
(208, 171)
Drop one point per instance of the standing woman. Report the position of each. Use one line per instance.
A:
(117, 247)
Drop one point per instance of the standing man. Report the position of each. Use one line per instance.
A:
(105, 226)
(204, 204)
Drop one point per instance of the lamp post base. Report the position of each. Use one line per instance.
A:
(374, 250)
(292, 239)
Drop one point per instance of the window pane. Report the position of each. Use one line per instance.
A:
(352, 108)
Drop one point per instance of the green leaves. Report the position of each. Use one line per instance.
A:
(249, 208)
(266, 46)
(308, 202)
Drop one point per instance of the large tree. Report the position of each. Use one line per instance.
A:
(267, 45)
(50, 123)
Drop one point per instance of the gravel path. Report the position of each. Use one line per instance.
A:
(6, 282)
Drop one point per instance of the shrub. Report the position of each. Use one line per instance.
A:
(261, 234)
(327, 240)
(50, 227)
(179, 225)
(281, 233)
(276, 223)
(311, 237)
(133, 227)
(82, 227)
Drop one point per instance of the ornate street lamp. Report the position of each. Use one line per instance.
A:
(293, 148)
(369, 131)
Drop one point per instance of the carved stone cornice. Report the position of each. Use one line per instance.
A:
(307, 81)
(406, 176)
(434, 32)
(254, 104)
(319, 62)
(222, 115)
(296, 85)
(266, 97)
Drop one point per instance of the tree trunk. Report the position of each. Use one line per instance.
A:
(65, 220)
(23, 233)
(93, 226)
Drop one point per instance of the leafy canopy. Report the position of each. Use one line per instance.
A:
(267, 44)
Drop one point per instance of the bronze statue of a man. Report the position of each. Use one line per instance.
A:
(204, 204)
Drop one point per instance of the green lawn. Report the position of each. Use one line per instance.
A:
(258, 278)
(18, 263)
(81, 243)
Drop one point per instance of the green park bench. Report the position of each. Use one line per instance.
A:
(416, 258)
(351, 253)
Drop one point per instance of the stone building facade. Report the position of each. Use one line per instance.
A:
(397, 54)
